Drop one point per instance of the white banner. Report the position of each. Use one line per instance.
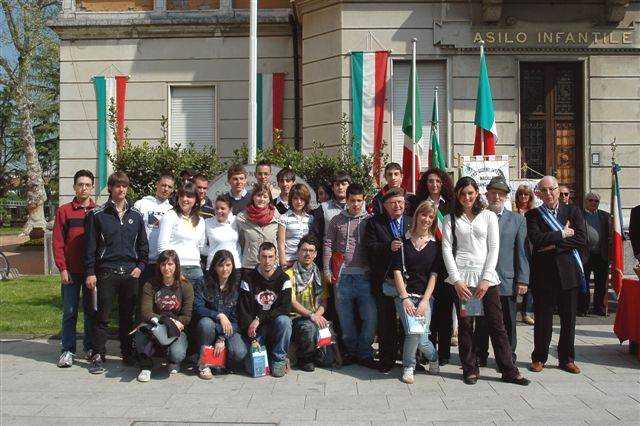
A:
(482, 170)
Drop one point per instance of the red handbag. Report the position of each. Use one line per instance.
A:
(337, 259)
(208, 358)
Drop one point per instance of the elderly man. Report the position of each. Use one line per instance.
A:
(597, 226)
(565, 194)
(512, 268)
(557, 233)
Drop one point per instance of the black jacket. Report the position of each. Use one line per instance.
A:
(634, 230)
(264, 298)
(605, 224)
(113, 244)
(377, 246)
(557, 261)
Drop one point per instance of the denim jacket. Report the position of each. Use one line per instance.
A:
(209, 302)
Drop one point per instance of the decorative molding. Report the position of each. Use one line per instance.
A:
(491, 11)
(615, 10)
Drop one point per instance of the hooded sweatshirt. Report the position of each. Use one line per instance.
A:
(263, 298)
(152, 210)
(344, 235)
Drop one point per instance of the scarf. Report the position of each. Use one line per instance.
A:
(303, 276)
(261, 217)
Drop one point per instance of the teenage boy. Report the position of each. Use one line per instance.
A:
(309, 302)
(383, 237)
(264, 305)
(153, 208)
(393, 176)
(286, 178)
(206, 206)
(68, 248)
(263, 175)
(116, 253)
(238, 194)
(347, 269)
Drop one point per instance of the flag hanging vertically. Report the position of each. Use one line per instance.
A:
(436, 157)
(616, 250)
(485, 121)
(270, 101)
(368, 89)
(412, 129)
(108, 90)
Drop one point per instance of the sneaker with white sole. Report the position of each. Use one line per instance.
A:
(96, 366)
(407, 375)
(173, 368)
(66, 359)
(279, 368)
(434, 367)
(205, 374)
(144, 375)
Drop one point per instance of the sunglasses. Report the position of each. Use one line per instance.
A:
(564, 194)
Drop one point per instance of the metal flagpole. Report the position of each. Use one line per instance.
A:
(413, 116)
(481, 129)
(253, 84)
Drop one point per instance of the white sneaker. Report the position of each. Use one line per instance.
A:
(65, 360)
(407, 375)
(205, 374)
(144, 375)
(434, 367)
(173, 368)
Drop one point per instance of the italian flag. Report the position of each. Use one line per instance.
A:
(410, 159)
(270, 89)
(616, 249)
(368, 89)
(436, 156)
(109, 90)
(485, 121)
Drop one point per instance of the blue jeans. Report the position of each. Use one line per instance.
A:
(176, 351)
(413, 342)
(277, 336)
(354, 292)
(527, 303)
(70, 302)
(193, 274)
(208, 331)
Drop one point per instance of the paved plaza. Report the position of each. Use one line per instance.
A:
(34, 391)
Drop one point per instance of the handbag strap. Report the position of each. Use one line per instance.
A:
(404, 268)
(454, 243)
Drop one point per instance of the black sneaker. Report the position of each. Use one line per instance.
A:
(97, 365)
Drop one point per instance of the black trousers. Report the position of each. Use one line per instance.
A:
(497, 332)
(599, 267)
(110, 285)
(481, 338)
(547, 297)
(387, 329)
(441, 327)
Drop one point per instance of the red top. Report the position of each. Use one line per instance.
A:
(68, 236)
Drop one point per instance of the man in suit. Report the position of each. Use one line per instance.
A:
(597, 226)
(634, 231)
(512, 268)
(382, 236)
(558, 236)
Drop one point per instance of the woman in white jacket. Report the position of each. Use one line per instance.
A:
(182, 230)
(470, 254)
(221, 231)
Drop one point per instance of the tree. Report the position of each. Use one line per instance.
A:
(26, 76)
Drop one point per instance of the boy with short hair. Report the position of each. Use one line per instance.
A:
(264, 305)
(238, 194)
(263, 175)
(68, 248)
(286, 178)
(206, 206)
(393, 176)
(343, 242)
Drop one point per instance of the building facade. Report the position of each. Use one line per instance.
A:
(565, 76)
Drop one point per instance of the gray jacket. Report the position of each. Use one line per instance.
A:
(513, 266)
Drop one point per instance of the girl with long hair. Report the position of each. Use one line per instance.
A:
(215, 305)
(221, 231)
(470, 249)
(294, 224)
(182, 230)
(166, 303)
(525, 202)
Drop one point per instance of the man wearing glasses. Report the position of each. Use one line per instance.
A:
(597, 226)
(565, 194)
(557, 233)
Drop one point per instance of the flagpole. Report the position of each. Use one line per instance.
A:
(413, 116)
(481, 129)
(435, 103)
(253, 84)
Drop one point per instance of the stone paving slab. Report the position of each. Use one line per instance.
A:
(33, 392)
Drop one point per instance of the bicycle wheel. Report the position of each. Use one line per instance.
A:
(4, 266)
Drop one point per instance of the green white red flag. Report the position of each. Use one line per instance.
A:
(616, 252)
(485, 121)
(436, 156)
(270, 89)
(410, 155)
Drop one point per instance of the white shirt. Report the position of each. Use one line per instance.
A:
(177, 233)
(295, 227)
(477, 251)
(222, 236)
(153, 210)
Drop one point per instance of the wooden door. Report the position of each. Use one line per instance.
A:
(551, 122)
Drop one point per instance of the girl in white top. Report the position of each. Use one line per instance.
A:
(182, 230)
(472, 272)
(294, 224)
(221, 231)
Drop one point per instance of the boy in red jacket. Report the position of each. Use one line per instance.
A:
(68, 251)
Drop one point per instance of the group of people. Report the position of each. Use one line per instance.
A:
(261, 265)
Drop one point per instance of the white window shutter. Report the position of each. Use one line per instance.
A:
(193, 116)
(431, 74)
